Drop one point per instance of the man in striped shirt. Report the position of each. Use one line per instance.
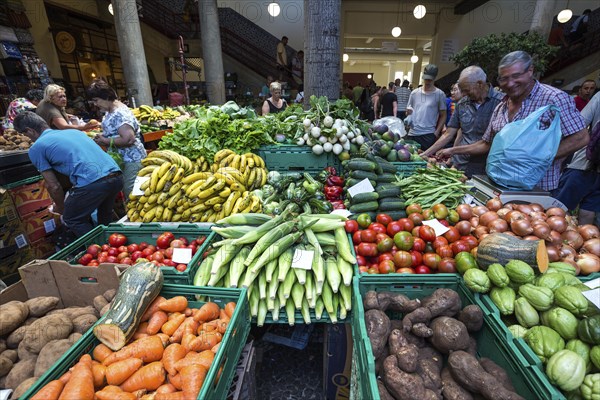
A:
(402, 95)
(524, 95)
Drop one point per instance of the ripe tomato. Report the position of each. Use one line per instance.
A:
(368, 236)
(426, 233)
(422, 269)
(143, 245)
(351, 226)
(383, 219)
(471, 241)
(413, 208)
(440, 211)
(380, 236)
(169, 235)
(93, 263)
(102, 259)
(122, 255)
(404, 240)
(151, 247)
(416, 218)
(385, 245)
(460, 245)
(445, 251)
(428, 214)
(111, 259)
(407, 224)
(169, 263)
(185, 241)
(386, 267)
(431, 260)
(361, 261)
(447, 265)
(94, 249)
(105, 247)
(363, 269)
(200, 240)
(163, 241)
(356, 237)
(85, 259)
(133, 247)
(419, 244)
(417, 258)
(157, 256)
(405, 271)
(181, 267)
(377, 227)
(439, 242)
(127, 260)
(393, 228)
(177, 243)
(452, 235)
(444, 222)
(113, 251)
(136, 254)
(373, 270)
(117, 239)
(147, 252)
(364, 220)
(367, 249)
(402, 259)
(193, 247)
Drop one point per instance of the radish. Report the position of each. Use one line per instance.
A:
(315, 132)
(327, 147)
(339, 132)
(305, 137)
(328, 121)
(350, 135)
(300, 141)
(337, 148)
(306, 123)
(343, 139)
(322, 139)
(360, 140)
(346, 146)
(317, 149)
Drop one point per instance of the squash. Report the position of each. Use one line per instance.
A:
(139, 286)
(501, 248)
(589, 330)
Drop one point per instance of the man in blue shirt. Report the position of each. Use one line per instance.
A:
(95, 176)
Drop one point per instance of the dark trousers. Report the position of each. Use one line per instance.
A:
(82, 201)
(426, 141)
(401, 114)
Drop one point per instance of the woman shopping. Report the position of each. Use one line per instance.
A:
(120, 129)
(275, 103)
(52, 110)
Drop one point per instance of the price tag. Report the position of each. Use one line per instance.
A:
(593, 296)
(593, 284)
(342, 211)
(303, 259)
(437, 227)
(136, 185)
(468, 199)
(50, 225)
(363, 186)
(20, 241)
(182, 255)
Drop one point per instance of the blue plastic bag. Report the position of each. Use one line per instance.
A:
(522, 151)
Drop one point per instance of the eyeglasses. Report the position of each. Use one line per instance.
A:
(512, 77)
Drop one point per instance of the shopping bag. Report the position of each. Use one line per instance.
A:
(522, 151)
(112, 151)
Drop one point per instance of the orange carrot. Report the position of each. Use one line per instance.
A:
(149, 377)
(138, 335)
(188, 312)
(156, 322)
(149, 349)
(229, 309)
(207, 312)
(65, 377)
(173, 353)
(81, 384)
(174, 396)
(166, 388)
(204, 358)
(99, 373)
(187, 340)
(215, 348)
(152, 308)
(171, 326)
(188, 325)
(174, 304)
(222, 326)
(164, 338)
(114, 393)
(142, 328)
(50, 391)
(209, 326)
(101, 352)
(175, 380)
(118, 372)
(192, 378)
(205, 341)
(223, 314)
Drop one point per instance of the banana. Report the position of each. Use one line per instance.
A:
(230, 202)
(227, 160)
(185, 216)
(212, 217)
(211, 190)
(238, 187)
(209, 182)
(234, 173)
(243, 204)
(247, 173)
(180, 209)
(147, 192)
(214, 167)
(172, 203)
(219, 155)
(167, 215)
(258, 180)
(236, 161)
(167, 177)
(225, 192)
(178, 175)
(259, 161)
(218, 207)
(147, 170)
(175, 189)
(197, 168)
(265, 176)
(193, 187)
(165, 154)
(251, 162)
(162, 198)
(176, 218)
(153, 161)
(195, 177)
(154, 180)
(243, 163)
(164, 168)
(149, 215)
(199, 208)
(236, 205)
(195, 217)
(220, 215)
(206, 166)
(214, 200)
(230, 180)
(251, 178)
(255, 204)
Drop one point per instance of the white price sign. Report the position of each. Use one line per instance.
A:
(593, 296)
(182, 255)
(363, 186)
(342, 211)
(136, 185)
(437, 226)
(303, 259)
(50, 225)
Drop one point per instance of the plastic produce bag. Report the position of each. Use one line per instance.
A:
(522, 151)
(394, 124)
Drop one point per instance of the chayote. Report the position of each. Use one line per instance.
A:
(583, 349)
(590, 388)
(519, 271)
(551, 281)
(541, 298)
(504, 299)
(563, 322)
(595, 357)
(477, 280)
(526, 315)
(518, 331)
(497, 275)
(571, 298)
(544, 342)
(566, 369)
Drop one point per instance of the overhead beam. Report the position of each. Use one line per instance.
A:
(467, 6)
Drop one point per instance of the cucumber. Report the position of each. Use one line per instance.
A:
(385, 165)
(388, 191)
(396, 215)
(364, 197)
(361, 164)
(351, 182)
(360, 175)
(392, 206)
(394, 199)
(364, 207)
(386, 178)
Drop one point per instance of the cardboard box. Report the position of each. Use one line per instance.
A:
(73, 285)
(43, 248)
(40, 225)
(30, 198)
(13, 238)
(8, 211)
(337, 361)
(9, 265)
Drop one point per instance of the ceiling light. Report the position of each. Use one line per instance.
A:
(419, 11)
(414, 59)
(564, 15)
(345, 57)
(273, 9)
(110, 9)
(369, 76)
(396, 31)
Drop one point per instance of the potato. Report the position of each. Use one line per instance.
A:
(3, 345)
(75, 336)
(30, 321)
(25, 354)
(50, 354)
(39, 306)
(23, 387)
(378, 329)
(45, 329)
(110, 294)
(497, 371)
(5, 365)
(13, 340)
(19, 372)
(12, 355)
(104, 309)
(84, 322)
(74, 312)
(383, 392)
(12, 315)
(100, 302)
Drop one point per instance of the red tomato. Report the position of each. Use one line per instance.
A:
(393, 228)
(368, 236)
(439, 242)
(445, 251)
(122, 255)
(127, 260)
(426, 233)
(402, 259)
(383, 219)
(361, 261)
(419, 244)
(417, 258)
(200, 240)
(381, 236)
(113, 251)
(143, 245)
(405, 271)
(385, 256)
(407, 224)
(185, 241)
(440, 211)
(416, 218)
(367, 249)
(133, 247)
(169, 263)
(429, 248)
(452, 235)
(471, 241)
(151, 247)
(147, 252)
(105, 247)
(85, 259)
(351, 226)
(117, 239)
(377, 227)
(193, 247)
(93, 263)
(404, 240)
(168, 252)
(385, 245)
(373, 270)
(181, 267)
(413, 208)
(428, 214)
(157, 256)
(177, 243)
(460, 245)
(169, 235)
(415, 231)
(431, 260)
(102, 259)
(136, 254)
(447, 265)
(163, 241)
(363, 269)
(386, 267)
(122, 249)
(444, 222)
(94, 249)
(111, 259)
(422, 269)
(356, 237)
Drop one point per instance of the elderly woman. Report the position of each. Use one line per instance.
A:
(120, 127)
(275, 103)
(52, 110)
(28, 103)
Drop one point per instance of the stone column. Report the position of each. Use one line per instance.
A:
(542, 17)
(416, 70)
(131, 47)
(211, 51)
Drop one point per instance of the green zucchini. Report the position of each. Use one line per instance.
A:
(396, 215)
(364, 197)
(392, 206)
(388, 191)
(395, 199)
(364, 207)
(385, 165)
(360, 174)
(386, 178)
(139, 286)
(361, 164)
(351, 182)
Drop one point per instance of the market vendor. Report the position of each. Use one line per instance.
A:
(52, 110)
(275, 103)
(524, 95)
(28, 103)
(95, 176)
(120, 126)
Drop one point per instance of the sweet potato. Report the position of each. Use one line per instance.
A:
(389, 301)
(23, 387)
(408, 358)
(442, 302)
(396, 340)
(452, 390)
(84, 322)
(100, 302)
(12, 315)
(50, 327)
(430, 372)
(383, 392)
(104, 309)
(494, 369)
(404, 386)
(449, 334)
(20, 371)
(378, 330)
(13, 340)
(11, 354)
(5, 365)
(30, 321)
(75, 336)
(472, 317)
(40, 306)
(51, 352)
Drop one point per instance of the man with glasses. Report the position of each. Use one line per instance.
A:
(472, 115)
(524, 95)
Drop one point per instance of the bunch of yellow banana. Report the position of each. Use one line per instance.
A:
(202, 164)
(150, 114)
(170, 113)
(158, 158)
(250, 165)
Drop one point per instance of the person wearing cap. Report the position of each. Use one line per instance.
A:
(427, 109)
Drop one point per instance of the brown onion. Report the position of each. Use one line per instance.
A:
(509, 206)
(474, 221)
(497, 225)
(572, 222)
(503, 211)
(591, 246)
(521, 227)
(488, 217)
(558, 224)
(480, 230)
(572, 238)
(514, 216)
(542, 230)
(482, 237)
(525, 208)
(494, 204)
(538, 215)
(588, 231)
(567, 251)
(571, 260)
(555, 239)
(553, 253)
(555, 211)
(530, 237)
(479, 210)
(464, 227)
(536, 207)
(509, 233)
(588, 263)
(464, 211)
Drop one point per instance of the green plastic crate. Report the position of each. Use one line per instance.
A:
(137, 233)
(291, 158)
(23, 182)
(491, 342)
(408, 168)
(230, 349)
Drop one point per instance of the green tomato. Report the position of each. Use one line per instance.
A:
(364, 220)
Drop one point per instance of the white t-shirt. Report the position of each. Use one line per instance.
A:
(426, 108)
(591, 114)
